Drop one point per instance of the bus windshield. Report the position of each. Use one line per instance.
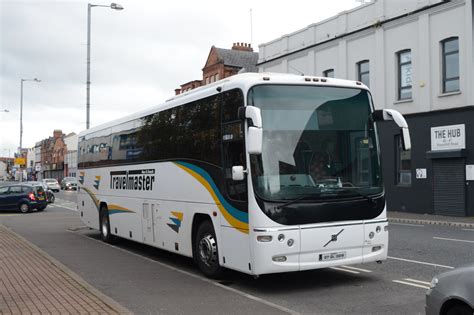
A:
(318, 144)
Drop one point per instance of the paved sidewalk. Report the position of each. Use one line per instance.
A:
(32, 282)
(415, 218)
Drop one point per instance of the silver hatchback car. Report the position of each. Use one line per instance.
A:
(452, 293)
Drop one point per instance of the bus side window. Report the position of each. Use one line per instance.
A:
(233, 143)
(234, 155)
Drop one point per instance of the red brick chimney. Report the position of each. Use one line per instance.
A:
(57, 133)
(177, 91)
(242, 46)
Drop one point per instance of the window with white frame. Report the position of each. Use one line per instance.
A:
(403, 163)
(450, 60)
(363, 73)
(329, 73)
(405, 75)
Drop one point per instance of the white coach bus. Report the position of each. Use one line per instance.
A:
(260, 173)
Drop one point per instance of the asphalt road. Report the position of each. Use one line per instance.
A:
(147, 280)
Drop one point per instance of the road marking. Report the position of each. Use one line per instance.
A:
(407, 224)
(452, 239)
(345, 270)
(62, 207)
(420, 262)
(412, 284)
(242, 293)
(357, 269)
(9, 215)
(417, 281)
(471, 230)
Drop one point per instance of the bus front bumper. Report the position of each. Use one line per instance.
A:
(318, 246)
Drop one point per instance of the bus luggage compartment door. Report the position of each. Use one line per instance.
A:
(324, 246)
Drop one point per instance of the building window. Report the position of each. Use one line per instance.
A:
(329, 73)
(450, 51)
(404, 75)
(403, 163)
(363, 73)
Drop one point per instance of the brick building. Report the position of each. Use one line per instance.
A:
(222, 63)
(53, 150)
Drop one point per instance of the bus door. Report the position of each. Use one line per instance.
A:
(149, 221)
(235, 244)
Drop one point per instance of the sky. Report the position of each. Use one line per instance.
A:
(139, 55)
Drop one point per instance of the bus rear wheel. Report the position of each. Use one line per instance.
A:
(105, 234)
(206, 251)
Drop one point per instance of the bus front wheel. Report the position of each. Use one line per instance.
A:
(205, 248)
(105, 233)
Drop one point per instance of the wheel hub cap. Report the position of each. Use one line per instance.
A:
(208, 250)
(105, 229)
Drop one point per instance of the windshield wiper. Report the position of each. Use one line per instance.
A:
(358, 193)
(292, 202)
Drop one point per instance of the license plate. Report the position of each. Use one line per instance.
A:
(40, 198)
(332, 256)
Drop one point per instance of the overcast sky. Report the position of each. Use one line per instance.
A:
(139, 55)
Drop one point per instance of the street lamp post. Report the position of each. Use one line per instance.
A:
(21, 109)
(21, 120)
(114, 6)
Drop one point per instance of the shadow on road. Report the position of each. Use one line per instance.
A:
(320, 279)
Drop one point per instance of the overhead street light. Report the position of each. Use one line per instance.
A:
(114, 6)
(21, 109)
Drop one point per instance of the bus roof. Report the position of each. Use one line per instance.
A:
(243, 81)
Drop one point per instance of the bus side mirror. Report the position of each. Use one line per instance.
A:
(238, 173)
(390, 114)
(254, 134)
(254, 140)
(252, 114)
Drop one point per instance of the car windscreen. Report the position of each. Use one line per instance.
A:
(39, 190)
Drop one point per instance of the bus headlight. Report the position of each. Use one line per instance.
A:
(279, 258)
(290, 242)
(371, 235)
(433, 283)
(376, 248)
(264, 238)
(378, 229)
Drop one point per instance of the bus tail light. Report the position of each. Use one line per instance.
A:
(264, 238)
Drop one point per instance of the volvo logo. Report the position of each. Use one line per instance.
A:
(333, 238)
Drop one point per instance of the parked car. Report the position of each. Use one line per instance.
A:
(50, 198)
(22, 197)
(452, 293)
(52, 184)
(69, 183)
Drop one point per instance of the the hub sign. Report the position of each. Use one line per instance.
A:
(448, 137)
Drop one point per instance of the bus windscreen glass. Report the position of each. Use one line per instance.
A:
(318, 144)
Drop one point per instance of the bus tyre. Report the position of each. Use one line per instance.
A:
(24, 208)
(459, 309)
(205, 248)
(105, 234)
